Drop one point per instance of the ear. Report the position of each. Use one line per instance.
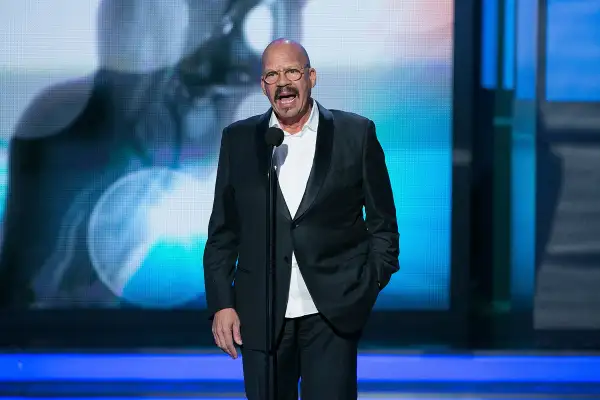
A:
(263, 87)
(313, 77)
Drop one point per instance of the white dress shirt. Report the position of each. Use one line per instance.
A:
(293, 160)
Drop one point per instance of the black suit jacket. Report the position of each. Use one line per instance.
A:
(344, 258)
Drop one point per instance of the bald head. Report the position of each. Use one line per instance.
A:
(288, 47)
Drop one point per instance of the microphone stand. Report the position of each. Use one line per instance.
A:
(271, 365)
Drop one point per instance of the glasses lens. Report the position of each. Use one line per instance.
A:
(293, 74)
(271, 78)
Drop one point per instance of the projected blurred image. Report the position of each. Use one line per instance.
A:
(111, 117)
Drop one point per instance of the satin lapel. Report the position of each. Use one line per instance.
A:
(262, 151)
(321, 161)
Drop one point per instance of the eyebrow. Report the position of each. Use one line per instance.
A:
(286, 68)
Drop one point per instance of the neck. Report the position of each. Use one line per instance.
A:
(294, 125)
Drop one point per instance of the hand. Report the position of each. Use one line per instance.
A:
(226, 330)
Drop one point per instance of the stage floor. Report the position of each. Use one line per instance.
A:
(169, 376)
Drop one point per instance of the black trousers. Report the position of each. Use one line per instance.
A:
(309, 351)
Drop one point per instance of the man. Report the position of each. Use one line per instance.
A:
(331, 263)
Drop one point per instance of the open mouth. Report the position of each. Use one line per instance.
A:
(287, 99)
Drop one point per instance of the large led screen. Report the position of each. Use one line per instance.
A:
(573, 50)
(568, 171)
(111, 114)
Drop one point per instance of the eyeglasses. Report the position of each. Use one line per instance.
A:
(293, 74)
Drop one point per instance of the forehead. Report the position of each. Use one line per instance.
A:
(282, 57)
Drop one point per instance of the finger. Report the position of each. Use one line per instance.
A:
(237, 335)
(215, 332)
(228, 342)
(233, 352)
(216, 337)
(221, 339)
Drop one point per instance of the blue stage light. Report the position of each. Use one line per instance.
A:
(388, 368)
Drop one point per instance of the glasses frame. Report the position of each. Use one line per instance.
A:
(302, 72)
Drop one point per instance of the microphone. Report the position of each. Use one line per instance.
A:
(274, 137)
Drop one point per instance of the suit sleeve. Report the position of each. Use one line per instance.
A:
(221, 251)
(380, 210)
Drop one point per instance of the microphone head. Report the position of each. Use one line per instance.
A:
(274, 136)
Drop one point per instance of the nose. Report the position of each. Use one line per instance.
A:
(283, 80)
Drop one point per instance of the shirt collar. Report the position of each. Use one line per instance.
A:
(311, 124)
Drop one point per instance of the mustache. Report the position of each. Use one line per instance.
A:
(285, 91)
